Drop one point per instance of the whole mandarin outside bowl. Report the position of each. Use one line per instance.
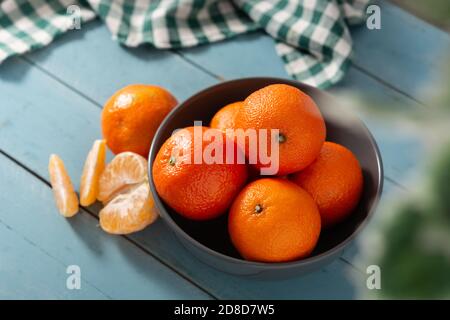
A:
(209, 240)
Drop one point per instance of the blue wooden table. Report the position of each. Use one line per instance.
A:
(50, 102)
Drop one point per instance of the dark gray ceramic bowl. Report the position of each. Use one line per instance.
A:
(209, 240)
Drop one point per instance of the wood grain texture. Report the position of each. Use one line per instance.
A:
(89, 61)
(28, 272)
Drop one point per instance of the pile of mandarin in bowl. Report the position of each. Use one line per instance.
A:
(290, 186)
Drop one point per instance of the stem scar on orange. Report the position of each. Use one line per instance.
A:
(294, 114)
(197, 191)
(334, 180)
(274, 220)
(132, 115)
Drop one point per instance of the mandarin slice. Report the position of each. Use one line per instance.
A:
(65, 197)
(125, 170)
(130, 211)
(93, 167)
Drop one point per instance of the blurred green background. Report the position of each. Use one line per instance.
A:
(434, 11)
(411, 243)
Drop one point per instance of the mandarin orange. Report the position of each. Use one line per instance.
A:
(132, 115)
(274, 220)
(201, 190)
(296, 116)
(125, 193)
(224, 118)
(334, 180)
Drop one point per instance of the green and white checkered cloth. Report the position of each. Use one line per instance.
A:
(312, 36)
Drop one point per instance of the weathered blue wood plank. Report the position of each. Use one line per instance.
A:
(27, 272)
(97, 66)
(111, 267)
(51, 116)
(406, 52)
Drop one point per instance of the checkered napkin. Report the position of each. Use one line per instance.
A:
(311, 36)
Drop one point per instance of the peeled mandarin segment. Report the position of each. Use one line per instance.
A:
(65, 196)
(129, 212)
(125, 169)
(93, 167)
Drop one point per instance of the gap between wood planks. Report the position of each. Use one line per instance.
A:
(46, 253)
(387, 84)
(93, 214)
(354, 64)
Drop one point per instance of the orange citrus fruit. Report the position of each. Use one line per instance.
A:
(224, 118)
(296, 116)
(274, 220)
(125, 170)
(132, 115)
(202, 190)
(63, 191)
(334, 180)
(93, 167)
(129, 211)
(124, 189)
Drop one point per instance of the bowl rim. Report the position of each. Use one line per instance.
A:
(273, 265)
